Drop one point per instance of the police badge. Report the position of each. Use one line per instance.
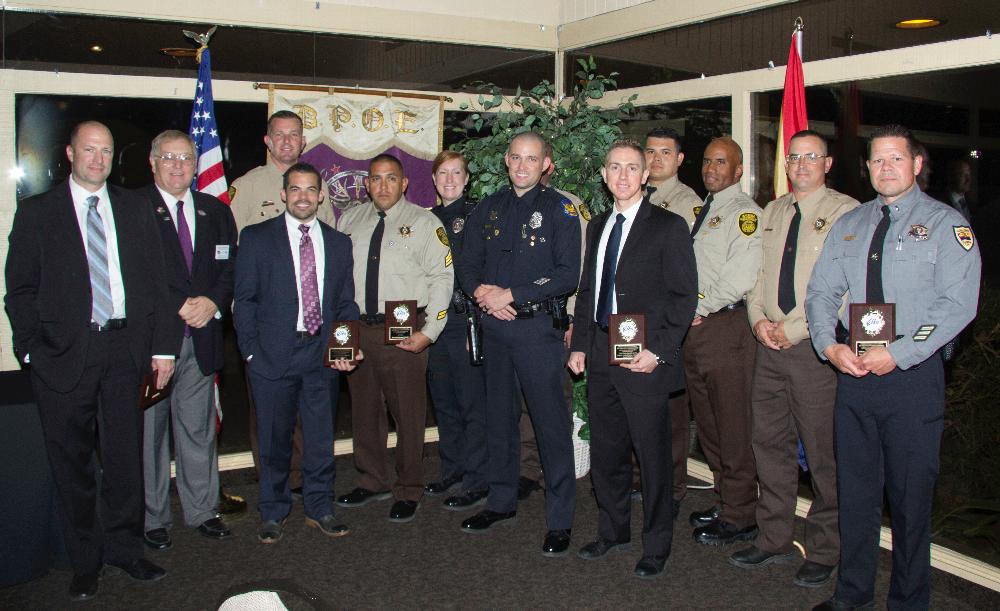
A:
(918, 233)
(404, 230)
(536, 220)
(458, 225)
(819, 224)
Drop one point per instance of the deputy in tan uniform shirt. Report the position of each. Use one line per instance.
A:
(719, 350)
(256, 195)
(664, 188)
(412, 260)
(793, 391)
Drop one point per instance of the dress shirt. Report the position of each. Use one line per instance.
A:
(189, 211)
(80, 195)
(294, 237)
(629, 214)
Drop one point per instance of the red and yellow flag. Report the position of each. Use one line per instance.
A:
(793, 110)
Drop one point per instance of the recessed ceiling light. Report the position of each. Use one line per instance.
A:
(96, 48)
(918, 24)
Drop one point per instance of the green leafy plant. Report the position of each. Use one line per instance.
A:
(580, 132)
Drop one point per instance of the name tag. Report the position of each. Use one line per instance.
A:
(222, 252)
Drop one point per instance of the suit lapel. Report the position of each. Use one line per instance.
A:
(70, 226)
(635, 233)
(123, 236)
(204, 250)
(168, 231)
(327, 295)
(283, 246)
(595, 243)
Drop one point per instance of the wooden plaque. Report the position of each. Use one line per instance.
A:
(626, 337)
(149, 395)
(872, 325)
(344, 342)
(400, 320)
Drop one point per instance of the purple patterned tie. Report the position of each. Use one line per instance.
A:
(311, 317)
(184, 235)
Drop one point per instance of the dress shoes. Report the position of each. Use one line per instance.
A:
(649, 567)
(813, 574)
(697, 519)
(466, 500)
(556, 543)
(215, 528)
(328, 525)
(361, 496)
(402, 511)
(140, 569)
(832, 604)
(724, 533)
(230, 504)
(753, 558)
(442, 487)
(157, 538)
(600, 548)
(271, 531)
(486, 519)
(83, 587)
(525, 486)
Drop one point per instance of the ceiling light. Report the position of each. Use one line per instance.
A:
(918, 24)
(96, 48)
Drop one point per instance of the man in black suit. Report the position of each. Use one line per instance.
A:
(199, 244)
(639, 261)
(294, 278)
(86, 296)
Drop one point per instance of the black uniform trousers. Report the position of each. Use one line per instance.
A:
(458, 390)
(530, 352)
(621, 421)
(101, 413)
(888, 436)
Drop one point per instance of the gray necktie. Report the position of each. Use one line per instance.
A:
(97, 259)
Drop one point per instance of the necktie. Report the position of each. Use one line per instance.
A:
(873, 284)
(702, 214)
(311, 317)
(786, 278)
(97, 260)
(608, 273)
(184, 235)
(371, 274)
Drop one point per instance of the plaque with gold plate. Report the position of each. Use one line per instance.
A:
(343, 343)
(626, 337)
(149, 394)
(872, 325)
(400, 320)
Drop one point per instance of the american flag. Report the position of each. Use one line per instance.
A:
(210, 178)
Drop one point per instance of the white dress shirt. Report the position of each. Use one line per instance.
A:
(629, 214)
(80, 206)
(189, 211)
(294, 237)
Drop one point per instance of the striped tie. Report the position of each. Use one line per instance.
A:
(97, 258)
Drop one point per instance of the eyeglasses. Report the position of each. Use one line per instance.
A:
(184, 158)
(808, 158)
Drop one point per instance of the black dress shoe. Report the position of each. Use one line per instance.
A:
(271, 531)
(753, 558)
(832, 604)
(140, 569)
(328, 525)
(230, 504)
(157, 539)
(649, 567)
(402, 511)
(215, 528)
(724, 533)
(486, 519)
(83, 587)
(601, 547)
(556, 543)
(813, 574)
(443, 486)
(466, 500)
(697, 519)
(525, 486)
(361, 496)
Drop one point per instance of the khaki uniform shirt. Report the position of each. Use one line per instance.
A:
(677, 197)
(582, 213)
(415, 262)
(727, 249)
(256, 197)
(819, 211)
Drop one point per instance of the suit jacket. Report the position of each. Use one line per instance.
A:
(48, 285)
(656, 276)
(212, 268)
(267, 301)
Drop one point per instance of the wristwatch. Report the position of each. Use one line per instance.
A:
(659, 361)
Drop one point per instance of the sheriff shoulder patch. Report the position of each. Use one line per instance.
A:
(568, 208)
(232, 193)
(748, 223)
(584, 212)
(964, 236)
(442, 235)
(442, 314)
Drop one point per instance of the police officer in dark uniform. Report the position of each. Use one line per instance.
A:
(520, 259)
(457, 386)
(905, 248)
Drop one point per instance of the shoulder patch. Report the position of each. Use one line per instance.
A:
(232, 192)
(584, 211)
(964, 236)
(568, 208)
(748, 223)
(442, 235)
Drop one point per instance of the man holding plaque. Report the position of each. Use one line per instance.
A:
(793, 391)
(920, 256)
(404, 278)
(293, 280)
(637, 297)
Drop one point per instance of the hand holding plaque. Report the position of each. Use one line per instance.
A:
(871, 325)
(344, 342)
(149, 394)
(626, 337)
(400, 320)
